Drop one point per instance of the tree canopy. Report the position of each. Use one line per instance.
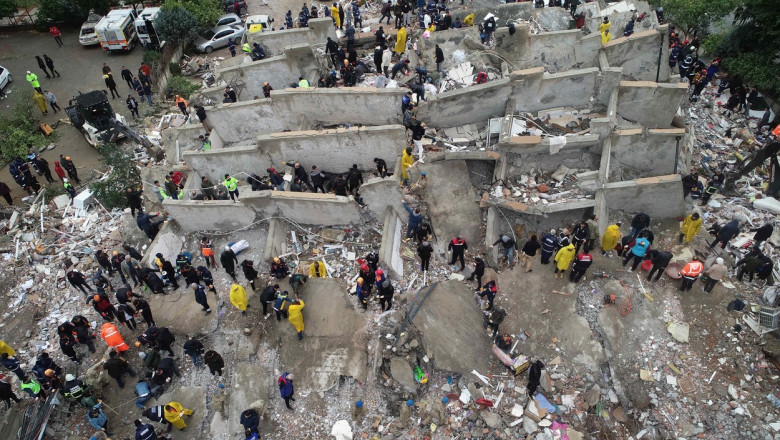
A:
(176, 25)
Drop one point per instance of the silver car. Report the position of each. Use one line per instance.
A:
(228, 19)
(218, 37)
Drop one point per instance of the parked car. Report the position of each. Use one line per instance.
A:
(5, 77)
(218, 37)
(228, 19)
(88, 36)
(230, 6)
(258, 23)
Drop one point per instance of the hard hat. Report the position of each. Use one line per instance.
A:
(116, 252)
(423, 173)
(28, 72)
(67, 157)
(69, 377)
(137, 344)
(65, 180)
(379, 272)
(142, 355)
(364, 267)
(719, 260)
(276, 260)
(360, 280)
(227, 248)
(96, 297)
(48, 373)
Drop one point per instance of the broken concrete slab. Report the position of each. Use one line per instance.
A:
(452, 203)
(402, 372)
(679, 331)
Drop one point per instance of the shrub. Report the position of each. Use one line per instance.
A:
(20, 129)
(124, 174)
(179, 85)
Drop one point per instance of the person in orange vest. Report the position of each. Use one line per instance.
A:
(207, 249)
(182, 103)
(113, 338)
(690, 272)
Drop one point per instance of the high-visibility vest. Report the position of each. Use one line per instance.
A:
(692, 269)
(246, 48)
(32, 386)
(231, 184)
(113, 338)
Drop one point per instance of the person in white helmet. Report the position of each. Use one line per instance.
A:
(716, 273)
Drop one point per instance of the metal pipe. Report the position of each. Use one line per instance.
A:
(677, 153)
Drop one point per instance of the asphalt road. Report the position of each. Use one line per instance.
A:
(80, 70)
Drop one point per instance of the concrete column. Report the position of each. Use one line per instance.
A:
(390, 249)
(276, 243)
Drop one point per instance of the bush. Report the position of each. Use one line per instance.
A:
(19, 130)
(205, 12)
(179, 85)
(124, 174)
(151, 57)
(58, 11)
(174, 68)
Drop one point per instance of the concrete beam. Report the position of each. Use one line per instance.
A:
(650, 104)
(390, 248)
(660, 196)
(469, 105)
(380, 193)
(276, 243)
(275, 42)
(537, 145)
(212, 215)
(304, 208)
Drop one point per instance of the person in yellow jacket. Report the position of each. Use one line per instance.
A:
(334, 13)
(40, 101)
(563, 259)
(605, 25)
(317, 270)
(469, 20)
(610, 238)
(407, 160)
(5, 348)
(690, 227)
(606, 37)
(400, 41)
(238, 297)
(295, 316)
(174, 412)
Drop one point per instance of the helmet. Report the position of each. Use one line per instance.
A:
(69, 377)
(719, 260)
(423, 173)
(116, 252)
(142, 355)
(379, 272)
(96, 297)
(137, 344)
(227, 248)
(276, 260)
(360, 280)
(49, 372)
(364, 267)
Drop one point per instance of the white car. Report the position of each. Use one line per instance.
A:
(5, 77)
(87, 35)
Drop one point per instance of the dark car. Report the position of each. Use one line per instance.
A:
(230, 6)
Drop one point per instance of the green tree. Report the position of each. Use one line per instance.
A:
(176, 25)
(697, 15)
(58, 11)
(205, 12)
(7, 8)
(20, 129)
(124, 174)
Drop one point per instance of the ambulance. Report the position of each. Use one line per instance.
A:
(116, 31)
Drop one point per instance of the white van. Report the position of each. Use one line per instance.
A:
(141, 28)
(116, 31)
(257, 23)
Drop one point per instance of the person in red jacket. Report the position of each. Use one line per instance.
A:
(55, 32)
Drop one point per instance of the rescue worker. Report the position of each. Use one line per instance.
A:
(549, 245)
(116, 366)
(492, 320)
(489, 291)
(268, 297)
(200, 297)
(7, 393)
(237, 296)
(146, 431)
(103, 306)
(660, 261)
(279, 268)
(33, 388)
(610, 238)
(563, 259)
(231, 184)
(113, 338)
(478, 272)
(689, 273)
(407, 160)
(74, 388)
(317, 270)
(207, 250)
(726, 233)
(424, 251)
(215, 362)
(296, 281)
(508, 246)
(459, 247)
(206, 277)
(174, 412)
(638, 251)
(581, 264)
(580, 234)
(182, 104)
(286, 388)
(228, 260)
(715, 273)
(249, 272)
(295, 316)
(690, 227)
(385, 294)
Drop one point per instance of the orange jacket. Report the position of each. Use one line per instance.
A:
(692, 269)
(113, 338)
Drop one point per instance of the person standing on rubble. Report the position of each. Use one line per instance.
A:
(317, 270)
(638, 223)
(13, 365)
(726, 233)
(134, 200)
(508, 246)
(200, 297)
(549, 246)
(459, 248)
(638, 251)
(127, 269)
(424, 251)
(580, 234)
(414, 222)
(689, 273)
(103, 306)
(70, 167)
(249, 272)
(269, 297)
(205, 276)
(690, 227)
(78, 280)
(762, 234)
(116, 366)
(102, 259)
(492, 320)
(489, 291)
(7, 393)
(528, 253)
(478, 272)
(660, 260)
(563, 259)
(237, 296)
(715, 273)
(581, 264)
(229, 260)
(231, 185)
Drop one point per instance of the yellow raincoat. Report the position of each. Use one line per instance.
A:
(238, 296)
(406, 161)
(5, 348)
(610, 238)
(295, 316)
(564, 257)
(334, 12)
(605, 37)
(174, 417)
(314, 267)
(604, 27)
(40, 101)
(690, 228)
(469, 20)
(400, 42)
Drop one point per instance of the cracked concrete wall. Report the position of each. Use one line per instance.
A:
(644, 154)
(331, 150)
(657, 196)
(382, 193)
(458, 45)
(474, 104)
(641, 54)
(187, 135)
(594, 12)
(214, 215)
(305, 208)
(390, 247)
(561, 51)
(274, 43)
(650, 104)
(298, 109)
(534, 89)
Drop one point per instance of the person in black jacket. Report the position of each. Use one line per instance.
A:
(249, 272)
(7, 392)
(83, 331)
(206, 277)
(660, 260)
(146, 311)
(459, 247)
(317, 179)
(104, 261)
(250, 420)
(228, 260)
(268, 297)
(439, 58)
(116, 366)
(79, 281)
(385, 295)
(355, 179)
(381, 167)
(581, 264)
(215, 362)
(638, 223)
(194, 349)
(579, 235)
(424, 251)
(479, 271)
(300, 173)
(528, 253)
(762, 234)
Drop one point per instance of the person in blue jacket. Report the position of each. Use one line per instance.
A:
(638, 251)
(286, 388)
(415, 220)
